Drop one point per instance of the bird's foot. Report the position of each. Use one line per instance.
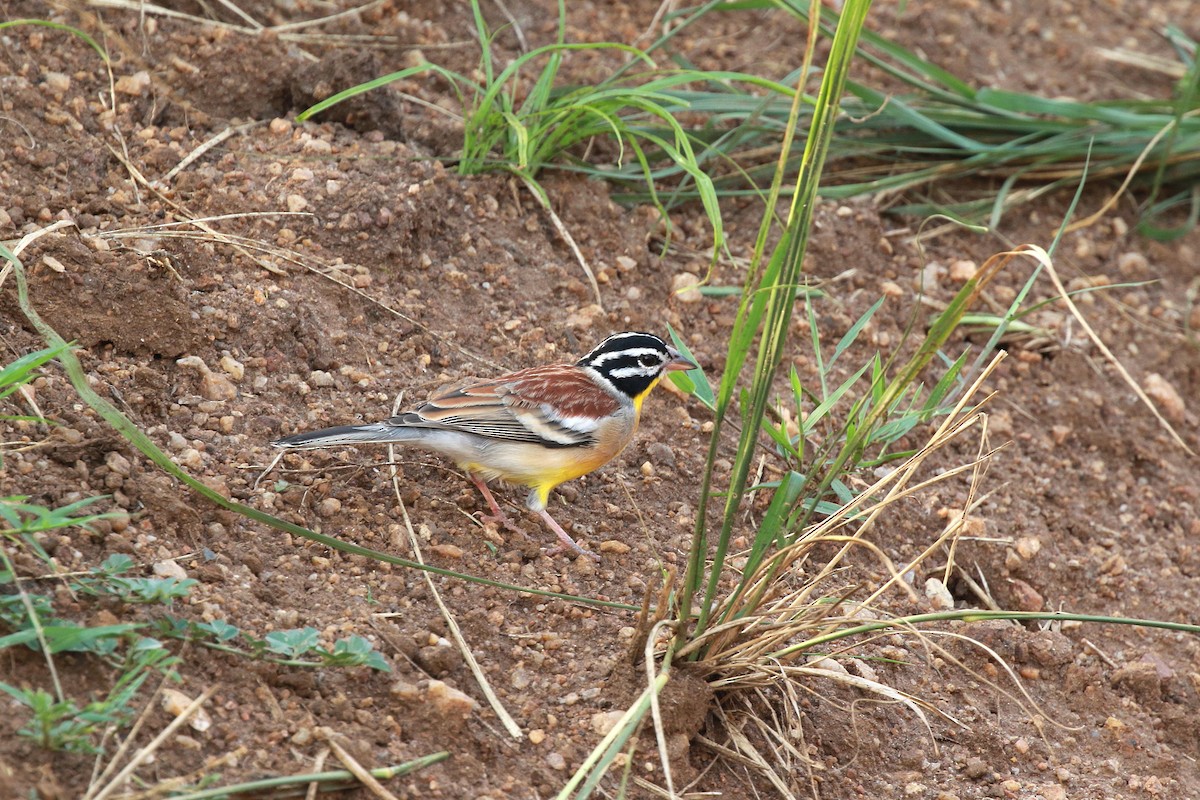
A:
(565, 538)
(501, 521)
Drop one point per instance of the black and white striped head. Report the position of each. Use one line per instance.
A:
(634, 362)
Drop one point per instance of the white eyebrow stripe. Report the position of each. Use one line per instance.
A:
(632, 352)
(630, 372)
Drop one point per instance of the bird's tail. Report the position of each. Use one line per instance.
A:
(377, 433)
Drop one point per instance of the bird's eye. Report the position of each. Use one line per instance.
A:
(648, 361)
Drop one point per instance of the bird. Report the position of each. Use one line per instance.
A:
(536, 427)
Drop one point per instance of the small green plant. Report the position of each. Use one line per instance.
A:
(108, 580)
(62, 724)
(57, 721)
(288, 647)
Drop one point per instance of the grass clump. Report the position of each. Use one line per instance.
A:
(940, 129)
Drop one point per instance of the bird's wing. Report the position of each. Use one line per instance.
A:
(554, 406)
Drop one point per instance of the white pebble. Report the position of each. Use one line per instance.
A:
(683, 286)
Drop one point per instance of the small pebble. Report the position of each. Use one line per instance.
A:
(556, 761)
(828, 664)
(605, 721)
(1025, 596)
(448, 701)
(1028, 547)
(938, 595)
(614, 546)
(329, 506)
(520, 678)
(1165, 396)
(320, 379)
(191, 458)
(233, 368)
(963, 270)
(537, 736)
(57, 82)
(1133, 265)
(118, 463)
(683, 286)
(170, 569)
(175, 702)
(404, 692)
(134, 85)
(447, 550)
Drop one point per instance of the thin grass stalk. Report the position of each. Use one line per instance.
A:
(977, 615)
(1187, 101)
(745, 323)
(773, 298)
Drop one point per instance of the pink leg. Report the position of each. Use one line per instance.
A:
(497, 517)
(497, 514)
(564, 537)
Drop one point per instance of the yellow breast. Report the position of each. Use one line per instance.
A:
(542, 468)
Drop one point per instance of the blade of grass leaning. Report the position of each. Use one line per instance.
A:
(124, 426)
(745, 326)
(58, 26)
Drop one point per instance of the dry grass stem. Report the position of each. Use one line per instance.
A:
(510, 725)
(566, 236)
(1042, 257)
(181, 783)
(154, 745)
(98, 777)
(1118, 55)
(318, 766)
(660, 733)
(764, 615)
(289, 32)
(360, 772)
(203, 148)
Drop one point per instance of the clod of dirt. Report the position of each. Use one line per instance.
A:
(976, 769)
(438, 660)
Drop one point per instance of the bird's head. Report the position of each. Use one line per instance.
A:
(633, 362)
